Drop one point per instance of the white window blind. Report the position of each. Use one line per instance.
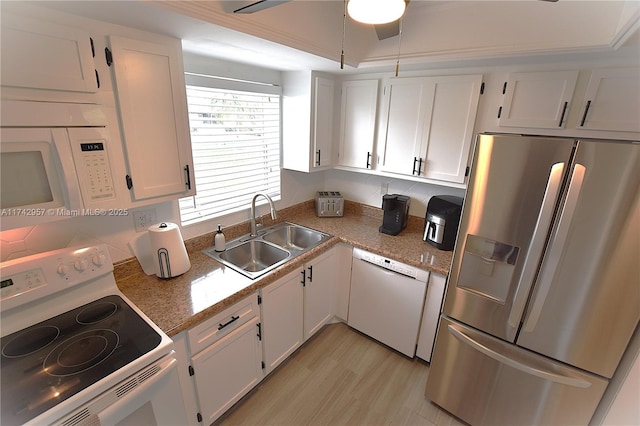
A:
(235, 139)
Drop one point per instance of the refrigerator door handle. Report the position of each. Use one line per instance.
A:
(550, 265)
(536, 370)
(537, 244)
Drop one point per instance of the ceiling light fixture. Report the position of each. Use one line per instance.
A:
(376, 11)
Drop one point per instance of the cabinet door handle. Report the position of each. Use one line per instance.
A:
(317, 157)
(304, 277)
(259, 325)
(232, 320)
(188, 175)
(368, 160)
(415, 160)
(419, 166)
(586, 111)
(310, 268)
(564, 111)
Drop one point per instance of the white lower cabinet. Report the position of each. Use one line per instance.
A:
(282, 318)
(227, 370)
(297, 306)
(226, 358)
(320, 277)
(430, 316)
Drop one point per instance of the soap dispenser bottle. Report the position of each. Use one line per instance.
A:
(219, 241)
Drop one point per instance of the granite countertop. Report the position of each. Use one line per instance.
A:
(180, 303)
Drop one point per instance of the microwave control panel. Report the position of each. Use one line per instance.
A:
(97, 171)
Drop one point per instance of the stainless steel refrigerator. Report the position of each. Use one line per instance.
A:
(544, 290)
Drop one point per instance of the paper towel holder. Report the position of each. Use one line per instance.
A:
(170, 255)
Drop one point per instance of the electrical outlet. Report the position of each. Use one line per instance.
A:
(143, 219)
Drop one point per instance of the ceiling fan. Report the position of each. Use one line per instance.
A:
(383, 31)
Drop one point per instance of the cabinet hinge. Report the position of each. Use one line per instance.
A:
(191, 370)
(499, 112)
(97, 79)
(129, 182)
(263, 365)
(259, 300)
(482, 88)
(466, 172)
(93, 48)
(504, 88)
(108, 56)
(199, 417)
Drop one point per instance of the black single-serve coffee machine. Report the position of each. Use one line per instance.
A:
(396, 213)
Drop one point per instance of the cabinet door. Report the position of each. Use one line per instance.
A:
(357, 125)
(407, 99)
(323, 122)
(42, 55)
(430, 316)
(612, 100)
(537, 99)
(227, 370)
(319, 292)
(450, 117)
(282, 318)
(150, 90)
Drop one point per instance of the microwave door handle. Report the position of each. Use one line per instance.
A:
(559, 239)
(537, 244)
(70, 186)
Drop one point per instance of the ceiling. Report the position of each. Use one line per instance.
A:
(308, 34)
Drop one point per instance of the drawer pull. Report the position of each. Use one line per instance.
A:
(233, 319)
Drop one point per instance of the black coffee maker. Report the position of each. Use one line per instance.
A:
(396, 213)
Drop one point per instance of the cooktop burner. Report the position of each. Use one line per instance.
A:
(49, 362)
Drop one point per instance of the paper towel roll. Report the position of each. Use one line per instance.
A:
(168, 251)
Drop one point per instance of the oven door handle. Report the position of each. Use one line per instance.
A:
(137, 396)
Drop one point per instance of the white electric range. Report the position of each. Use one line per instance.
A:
(75, 351)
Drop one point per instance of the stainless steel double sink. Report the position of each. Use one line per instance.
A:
(274, 246)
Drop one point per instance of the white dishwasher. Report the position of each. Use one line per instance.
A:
(386, 300)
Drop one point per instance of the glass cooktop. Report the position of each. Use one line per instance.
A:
(51, 361)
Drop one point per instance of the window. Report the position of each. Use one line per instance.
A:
(235, 139)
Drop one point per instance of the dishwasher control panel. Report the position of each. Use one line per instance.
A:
(392, 265)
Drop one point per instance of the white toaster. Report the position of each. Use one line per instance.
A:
(329, 204)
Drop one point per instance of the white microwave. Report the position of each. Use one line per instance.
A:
(54, 162)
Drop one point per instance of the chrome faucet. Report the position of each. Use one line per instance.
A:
(274, 213)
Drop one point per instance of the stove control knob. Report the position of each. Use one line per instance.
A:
(80, 265)
(98, 259)
(63, 269)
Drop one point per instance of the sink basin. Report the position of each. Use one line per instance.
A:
(293, 237)
(255, 256)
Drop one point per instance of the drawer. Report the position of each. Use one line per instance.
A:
(222, 323)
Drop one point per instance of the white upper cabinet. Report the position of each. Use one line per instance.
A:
(44, 55)
(151, 98)
(307, 121)
(405, 115)
(357, 124)
(322, 122)
(537, 99)
(612, 100)
(429, 126)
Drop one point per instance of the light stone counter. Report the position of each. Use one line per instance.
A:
(180, 303)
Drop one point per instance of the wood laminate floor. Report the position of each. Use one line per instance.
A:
(341, 377)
